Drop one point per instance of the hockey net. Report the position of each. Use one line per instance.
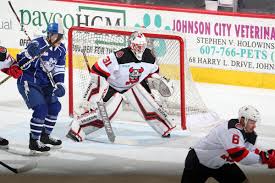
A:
(185, 103)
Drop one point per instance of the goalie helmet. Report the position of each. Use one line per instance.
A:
(137, 43)
(249, 112)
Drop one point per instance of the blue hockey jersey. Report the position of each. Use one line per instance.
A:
(53, 60)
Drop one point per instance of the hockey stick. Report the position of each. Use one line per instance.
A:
(23, 169)
(86, 60)
(49, 74)
(22, 26)
(31, 60)
(89, 69)
(106, 121)
(102, 109)
(38, 56)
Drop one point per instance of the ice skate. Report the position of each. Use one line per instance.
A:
(4, 143)
(37, 147)
(47, 139)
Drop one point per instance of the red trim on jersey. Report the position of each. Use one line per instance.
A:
(149, 115)
(238, 153)
(150, 75)
(257, 151)
(101, 71)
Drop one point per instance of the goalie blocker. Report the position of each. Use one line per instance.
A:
(90, 120)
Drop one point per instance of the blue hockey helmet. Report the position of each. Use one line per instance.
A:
(54, 28)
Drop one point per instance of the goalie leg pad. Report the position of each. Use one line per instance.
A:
(151, 112)
(91, 121)
(93, 93)
(76, 133)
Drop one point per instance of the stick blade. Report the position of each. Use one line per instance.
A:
(31, 165)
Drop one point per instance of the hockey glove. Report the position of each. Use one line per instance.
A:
(59, 90)
(164, 86)
(32, 50)
(14, 71)
(268, 157)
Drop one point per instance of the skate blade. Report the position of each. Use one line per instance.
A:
(56, 147)
(38, 153)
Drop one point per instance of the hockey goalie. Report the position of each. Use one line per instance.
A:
(131, 73)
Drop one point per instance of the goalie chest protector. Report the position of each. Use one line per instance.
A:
(125, 70)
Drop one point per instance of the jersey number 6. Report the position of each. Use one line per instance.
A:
(235, 139)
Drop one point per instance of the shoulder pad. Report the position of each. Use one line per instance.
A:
(148, 57)
(251, 137)
(124, 56)
(234, 123)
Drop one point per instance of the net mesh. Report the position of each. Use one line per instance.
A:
(168, 57)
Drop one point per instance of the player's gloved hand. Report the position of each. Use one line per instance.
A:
(59, 90)
(3, 53)
(268, 157)
(14, 71)
(32, 49)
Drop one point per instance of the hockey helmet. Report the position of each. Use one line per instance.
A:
(3, 53)
(249, 112)
(137, 44)
(55, 28)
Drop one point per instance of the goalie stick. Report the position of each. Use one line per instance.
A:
(36, 57)
(106, 121)
(29, 166)
(101, 108)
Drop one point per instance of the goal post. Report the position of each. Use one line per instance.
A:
(169, 49)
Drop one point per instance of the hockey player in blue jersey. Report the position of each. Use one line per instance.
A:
(38, 91)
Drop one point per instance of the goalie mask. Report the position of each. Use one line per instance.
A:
(249, 113)
(137, 43)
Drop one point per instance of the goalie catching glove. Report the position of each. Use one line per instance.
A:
(268, 157)
(163, 85)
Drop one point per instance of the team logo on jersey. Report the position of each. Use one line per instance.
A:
(119, 54)
(134, 75)
(48, 65)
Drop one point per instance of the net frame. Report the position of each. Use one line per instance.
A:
(126, 32)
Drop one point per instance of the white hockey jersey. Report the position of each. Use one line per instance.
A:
(7, 62)
(227, 143)
(122, 70)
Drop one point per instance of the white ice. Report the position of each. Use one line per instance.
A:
(139, 149)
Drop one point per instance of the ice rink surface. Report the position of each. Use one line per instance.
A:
(139, 151)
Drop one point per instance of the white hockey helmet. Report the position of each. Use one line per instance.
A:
(138, 44)
(249, 112)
